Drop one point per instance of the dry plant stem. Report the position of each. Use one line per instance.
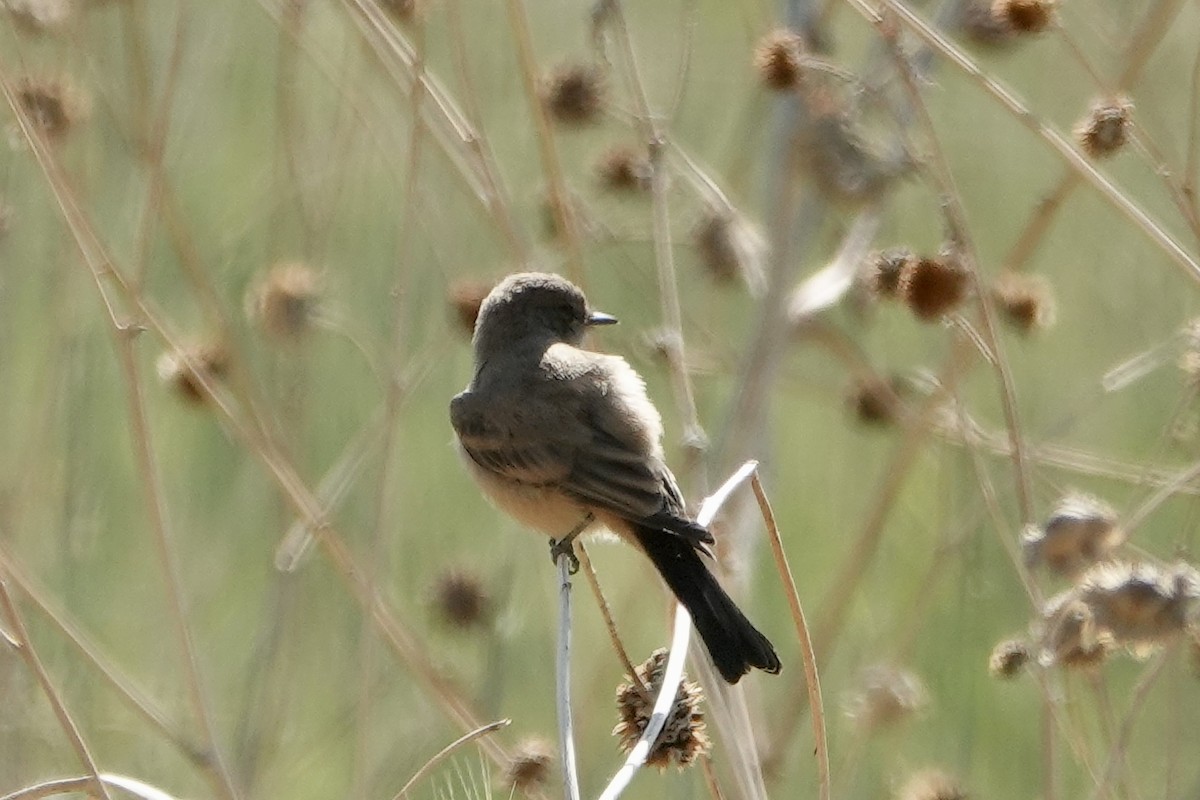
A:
(953, 206)
(1041, 220)
(305, 504)
(812, 678)
(566, 730)
(710, 779)
(168, 565)
(1055, 140)
(1139, 515)
(610, 624)
(664, 255)
(1120, 746)
(17, 629)
(124, 688)
(286, 119)
(448, 751)
(560, 198)
(443, 120)
(86, 785)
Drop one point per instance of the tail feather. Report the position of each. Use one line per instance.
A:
(735, 645)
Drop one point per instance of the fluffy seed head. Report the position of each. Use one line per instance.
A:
(875, 400)
(778, 59)
(1106, 128)
(888, 695)
(37, 16)
(1080, 531)
(1068, 636)
(1008, 659)
(883, 271)
(683, 738)
(1025, 16)
(932, 784)
(932, 287)
(574, 93)
(208, 363)
(465, 297)
(461, 599)
(54, 105)
(1139, 606)
(623, 168)
(284, 302)
(529, 769)
(1025, 301)
(729, 247)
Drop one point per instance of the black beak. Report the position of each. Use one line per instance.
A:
(600, 318)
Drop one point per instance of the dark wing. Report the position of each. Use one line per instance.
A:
(573, 428)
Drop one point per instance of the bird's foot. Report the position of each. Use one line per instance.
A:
(565, 547)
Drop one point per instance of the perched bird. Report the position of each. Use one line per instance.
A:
(562, 438)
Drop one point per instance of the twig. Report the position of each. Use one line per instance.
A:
(566, 732)
(18, 630)
(86, 784)
(589, 571)
(811, 676)
(447, 751)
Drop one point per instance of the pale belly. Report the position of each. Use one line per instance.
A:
(541, 508)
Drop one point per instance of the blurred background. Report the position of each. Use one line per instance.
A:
(242, 246)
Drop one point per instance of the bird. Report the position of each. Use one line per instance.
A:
(564, 439)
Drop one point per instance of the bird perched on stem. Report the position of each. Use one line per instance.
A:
(563, 439)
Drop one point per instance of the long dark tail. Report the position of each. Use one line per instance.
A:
(734, 644)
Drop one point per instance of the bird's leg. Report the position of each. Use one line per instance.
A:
(566, 545)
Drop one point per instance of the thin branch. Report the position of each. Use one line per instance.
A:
(448, 751)
(566, 730)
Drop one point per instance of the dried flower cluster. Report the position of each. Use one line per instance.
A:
(1008, 659)
(875, 400)
(1080, 531)
(185, 372)
(883, 271)
(54, 105)
(465, 297)
(1025, 301)
(1025, 16)
(529, 769)
(683, 738)
(623, 168)
(887, 696)
(1106, 128)
(1117, 604)
(933, 287)
(460, 599)
(574, 94)
(284, 302)
(932, 784)
(778, 59)
(730, 247)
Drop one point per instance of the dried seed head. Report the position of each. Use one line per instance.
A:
(847, 164)
(683, 737)
(1008, 659)
(1026, 301)
(186, 372)
(529, 769)
(623, 168)
(465, 297)
(875, 400)
(888, 695)
(401, 10)
(932, 287)
(284, 302)
(460, 599)
(1106, 128)
(53, 104)
(1068, 636)
(778, 59)
(729, 247)
(37, 16)
(1139, 606)
(883, 270)
(574, 93)
(980, 24)
(1025, 16)
(932, 784)
(1080, 531)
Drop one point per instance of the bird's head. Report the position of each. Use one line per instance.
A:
(534, 306)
